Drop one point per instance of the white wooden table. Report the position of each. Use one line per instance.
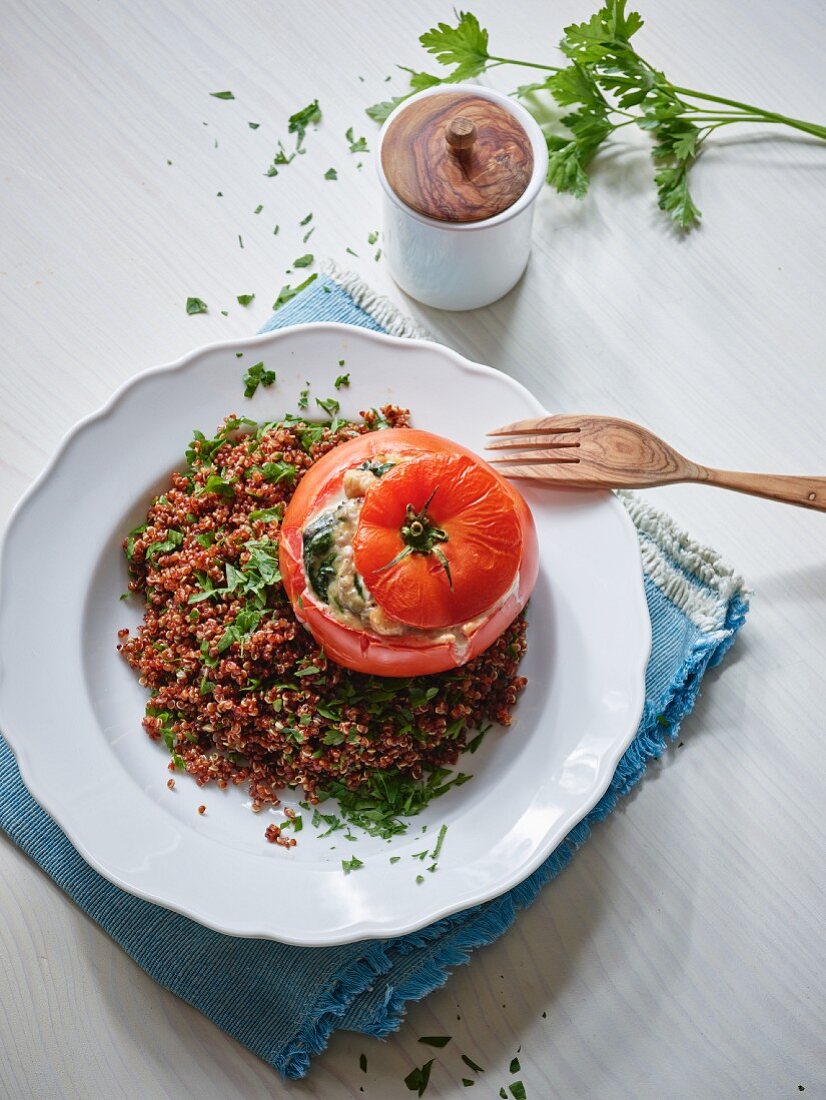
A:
(683, 952)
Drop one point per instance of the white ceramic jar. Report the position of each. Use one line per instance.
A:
(460, 264)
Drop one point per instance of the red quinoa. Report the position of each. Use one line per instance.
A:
(241, 692)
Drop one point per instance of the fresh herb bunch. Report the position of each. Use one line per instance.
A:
(608, 85)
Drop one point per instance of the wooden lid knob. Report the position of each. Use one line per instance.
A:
(457, 157)
(460, 134)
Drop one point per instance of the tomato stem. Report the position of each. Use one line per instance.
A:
(421, 536)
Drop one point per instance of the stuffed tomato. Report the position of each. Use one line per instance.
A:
(406, 554)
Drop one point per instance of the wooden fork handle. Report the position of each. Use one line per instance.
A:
(808, 492)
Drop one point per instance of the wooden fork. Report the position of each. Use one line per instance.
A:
(590, 452)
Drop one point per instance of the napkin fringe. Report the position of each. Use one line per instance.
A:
(381, 309)
(691, 561)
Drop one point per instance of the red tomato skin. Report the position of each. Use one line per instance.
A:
(356, 649)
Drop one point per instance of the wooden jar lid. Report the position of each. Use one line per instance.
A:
(457, 157)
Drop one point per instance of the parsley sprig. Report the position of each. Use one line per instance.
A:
(605, 86)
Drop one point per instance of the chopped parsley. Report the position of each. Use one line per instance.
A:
(343, 379)
(439, 842)
(308, 234)
(352, 253)
(357, 145)
(517, 1090)
(352, 864)
(363, 1063)
(240, 240)
(298, 122)
(222, 95)
(258, 209)
(331, 174)
(304, 261)
(253, 125)
(245, 299)
(435, 1040)
(307, 220)
(287, 293)
(514, 1066)
(372, 237)
(256, 376)
(304, 397)
(418, 1078)
(471, 1064)
(196, 305)
(330, 406)
(395, 859)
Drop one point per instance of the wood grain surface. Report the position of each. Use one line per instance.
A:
(457, 157)
(682, 953)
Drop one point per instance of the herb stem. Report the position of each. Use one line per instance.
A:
(524, 64)
(762, 114)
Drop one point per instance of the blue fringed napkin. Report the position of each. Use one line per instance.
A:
(284, 1002)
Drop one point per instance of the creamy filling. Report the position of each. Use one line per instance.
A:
(333, 580)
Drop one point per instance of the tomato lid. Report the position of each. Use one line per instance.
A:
(457, 157)
(438, 540)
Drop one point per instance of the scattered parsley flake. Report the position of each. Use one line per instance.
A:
(435, 1040)
(224, 313)
(517, 1091)
(502, 1093)
(287, 293)
(253, 125)
(298, 122)
(330, 406)
(352, 253)
(474, 744)
(244, 300)
(418, 1078)
(275, 231)
(373, 237)
(377, 256)
(420, 855)
(169, 162)
(307, 220)
(222, 95)
(308, 234)
(331, 174)
(239, 354)
(342, 380)
(467, 1082)
(304, 261)
(258, 209)
(304, 397)
(196, 305)
(257, 376)
(363, 1063)
(393, 859)
(419, 879)
(440, 839)
(240, 240)
(351, 864)
(514, 1066)
(471, 1064)
(357, 145)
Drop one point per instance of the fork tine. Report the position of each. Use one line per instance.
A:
(535, 458)
(553, 425)
(531, 443)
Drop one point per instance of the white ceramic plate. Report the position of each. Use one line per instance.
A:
(71, 708)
